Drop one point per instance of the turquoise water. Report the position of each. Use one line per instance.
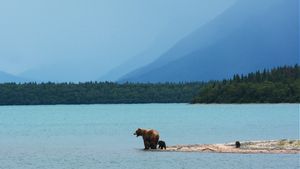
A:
(101, 136)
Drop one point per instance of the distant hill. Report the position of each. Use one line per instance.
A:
(249, 36)
(143, 58)
(279, 85)
(6, 77)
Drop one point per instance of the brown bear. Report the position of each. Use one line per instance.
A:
(150, 137)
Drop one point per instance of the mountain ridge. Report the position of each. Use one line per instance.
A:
(268, 31)
(7, 78)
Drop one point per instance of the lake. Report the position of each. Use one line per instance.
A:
(101, 136)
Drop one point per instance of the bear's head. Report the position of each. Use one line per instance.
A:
(139, 132)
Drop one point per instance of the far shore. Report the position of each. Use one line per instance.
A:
(283, 146)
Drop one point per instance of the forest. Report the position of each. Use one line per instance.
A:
(278, 85)
(96, 93)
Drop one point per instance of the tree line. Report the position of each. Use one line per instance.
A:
(96, 93)
(278, 85)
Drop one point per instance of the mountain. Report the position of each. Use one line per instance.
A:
(139, 60)
(166, 39)
(249, 36)
(6, 77)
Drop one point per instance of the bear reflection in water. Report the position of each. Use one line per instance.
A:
(150, 137)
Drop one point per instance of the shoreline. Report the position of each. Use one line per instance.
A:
(283, 146)
(88, 104)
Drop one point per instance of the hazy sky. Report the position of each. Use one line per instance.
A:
(92, 35)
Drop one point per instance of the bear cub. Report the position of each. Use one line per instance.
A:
(237, 144)
(162, 144)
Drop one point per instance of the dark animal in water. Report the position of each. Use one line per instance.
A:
(237, 144)
(162, 144)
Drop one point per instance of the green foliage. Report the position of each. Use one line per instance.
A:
(279, 85)
(95, 92)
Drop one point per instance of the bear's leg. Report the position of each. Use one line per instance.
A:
(160, 146)
(153, 144)
(146, 144)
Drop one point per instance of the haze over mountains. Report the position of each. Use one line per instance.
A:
(146, 41)
(77, 41)
(249, 36)
(6, 77)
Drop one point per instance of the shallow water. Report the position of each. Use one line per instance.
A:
(101, 136)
